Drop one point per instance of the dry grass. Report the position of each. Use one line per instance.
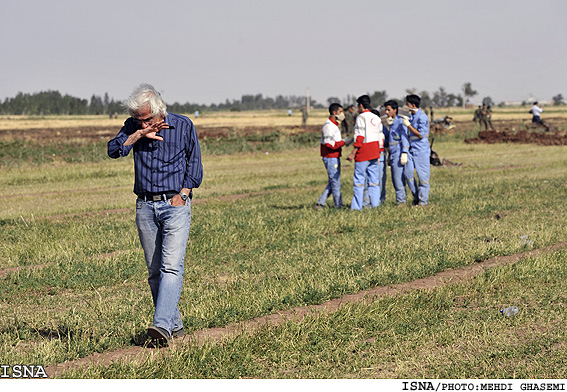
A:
(257, 118)
(214, 119)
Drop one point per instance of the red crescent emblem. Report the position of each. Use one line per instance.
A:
(372, 121)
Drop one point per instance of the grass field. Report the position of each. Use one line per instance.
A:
(257, 118)
(73, 279)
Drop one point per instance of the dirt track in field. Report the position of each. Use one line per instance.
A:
(455, 276)
(91, 134)
(505, 131)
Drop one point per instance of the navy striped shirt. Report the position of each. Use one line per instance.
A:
(162, 165)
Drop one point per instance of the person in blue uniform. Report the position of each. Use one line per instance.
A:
(420, 150)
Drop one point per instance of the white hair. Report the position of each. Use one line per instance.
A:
(145, 94)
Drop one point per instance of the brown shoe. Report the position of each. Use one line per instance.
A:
(159, 334)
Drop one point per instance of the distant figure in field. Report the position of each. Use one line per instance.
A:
(489, 116)
(167, 166)
(348, 123)
(476, 118)
(483, 117)
(331, 148)
(289, 112)
(536, 113)
(304, 116)
(196, 114)
(431, 114)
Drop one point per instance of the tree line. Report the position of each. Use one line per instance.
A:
(54, 103)
(439, 99)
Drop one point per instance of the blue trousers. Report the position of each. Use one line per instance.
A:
(422, 169)
(402, 175)
(333, 166)
(383, 177)
(366, 173)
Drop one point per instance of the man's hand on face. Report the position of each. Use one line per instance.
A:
(151, 131)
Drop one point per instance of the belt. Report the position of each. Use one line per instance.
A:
(165, 196)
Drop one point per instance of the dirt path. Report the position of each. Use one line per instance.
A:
(454, 276)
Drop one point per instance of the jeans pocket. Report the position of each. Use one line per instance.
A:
(139, 203)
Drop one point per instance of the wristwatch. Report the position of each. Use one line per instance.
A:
(184, 196)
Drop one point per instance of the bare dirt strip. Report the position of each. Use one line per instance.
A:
(454, 276)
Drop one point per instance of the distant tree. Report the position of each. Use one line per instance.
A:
(468, 92)
(454, 100)
(378, 98)
(331, 100)
(96, 106)
(558, 100)
(426, 100)
(487, 101)
(440, 98)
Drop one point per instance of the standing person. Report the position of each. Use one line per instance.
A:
(366, 154)
(431, 114)
(167, 166)
(348, 123)
(483, 117)
(383, 143)
(304, 116)
(476, 118)
(420, 151)
(489, 116)
(399, 159)
(331, 148)
(536, 113)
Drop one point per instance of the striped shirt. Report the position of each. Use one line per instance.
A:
(166, 165)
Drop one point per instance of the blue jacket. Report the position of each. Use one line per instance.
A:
(419, 121)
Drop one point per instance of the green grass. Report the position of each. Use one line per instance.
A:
(272, 251)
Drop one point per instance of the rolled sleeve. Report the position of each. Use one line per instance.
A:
(194, 173)
(115, 146)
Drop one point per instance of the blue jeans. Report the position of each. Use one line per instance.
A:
(333, 166)
(164, 232)
(366, 173)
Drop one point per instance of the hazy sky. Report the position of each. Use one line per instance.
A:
(208, 51)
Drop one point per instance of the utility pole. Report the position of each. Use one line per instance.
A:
(308, 107)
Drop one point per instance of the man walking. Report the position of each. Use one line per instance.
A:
(167, 166)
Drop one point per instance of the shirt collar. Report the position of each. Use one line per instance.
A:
(333, 120)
